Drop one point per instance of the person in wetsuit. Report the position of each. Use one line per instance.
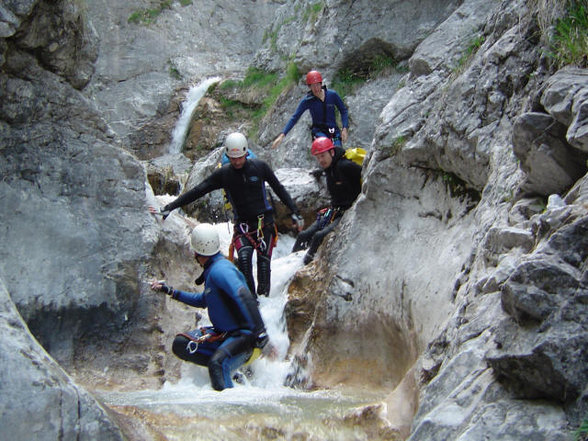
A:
(321, 102)
(243, 180)
(237, 329)
(343, 185)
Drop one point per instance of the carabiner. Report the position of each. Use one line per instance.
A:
(192, 346)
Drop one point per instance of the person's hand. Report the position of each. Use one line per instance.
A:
(278, 141)
(163, 212)
(317, 173)
(159, 285)
(344, 134)
(298, 221)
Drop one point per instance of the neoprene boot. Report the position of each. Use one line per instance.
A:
(263, 275)
(245, 256)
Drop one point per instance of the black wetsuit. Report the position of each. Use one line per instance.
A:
(344, 185)
(254, 222)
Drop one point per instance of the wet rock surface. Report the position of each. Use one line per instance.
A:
(458, 279)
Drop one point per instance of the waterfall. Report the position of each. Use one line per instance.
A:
(192, 99)
(262, 403)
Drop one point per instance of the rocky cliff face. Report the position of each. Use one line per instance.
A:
(467, 316)
(455, 281)
(39, 400)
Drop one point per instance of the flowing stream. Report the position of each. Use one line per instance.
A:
(261, 407)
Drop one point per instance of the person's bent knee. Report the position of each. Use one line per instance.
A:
(215, 371)
(179, 347)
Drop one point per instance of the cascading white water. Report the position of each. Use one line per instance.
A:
(192, 99)
(263, 403)
(268, 374)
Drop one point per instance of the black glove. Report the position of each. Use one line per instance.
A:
(317, 173)
(169, 290)
(298, 220)
(165, 212)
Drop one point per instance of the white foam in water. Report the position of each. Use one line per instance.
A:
(267, 373)
(262, 399)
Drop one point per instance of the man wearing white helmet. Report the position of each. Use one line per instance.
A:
(237, 330)
(243, 180)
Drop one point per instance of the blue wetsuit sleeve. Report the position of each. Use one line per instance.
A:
(302, 107)
(196, 299)
(343, 110)
(213, 182)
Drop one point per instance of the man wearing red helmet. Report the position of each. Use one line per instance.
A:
(343, 185)
(321, 102)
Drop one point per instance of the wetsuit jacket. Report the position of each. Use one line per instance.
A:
(343, 180)
(231, 306)
(244, 187)
(320, 120)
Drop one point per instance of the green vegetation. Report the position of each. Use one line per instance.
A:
(261, 83)
(569, 43)
(346, 80)
(395, 147)
(458, 188)
(473, 46)
(149, 15)
(312, 11)
(173, 71)
(582, 432)
(273, 37)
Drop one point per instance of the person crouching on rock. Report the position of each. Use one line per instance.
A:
(343, 185)
(238, 332)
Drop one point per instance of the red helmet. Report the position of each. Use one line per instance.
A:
(321, 145)
(313, 77)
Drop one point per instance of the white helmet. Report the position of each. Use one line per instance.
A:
(204, 240)
(236, 145)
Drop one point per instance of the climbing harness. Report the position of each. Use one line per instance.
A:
(260, 238)
(206, 335)
(210, 336)
(325, 216)
(258, 241)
